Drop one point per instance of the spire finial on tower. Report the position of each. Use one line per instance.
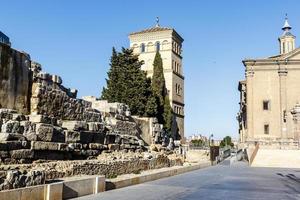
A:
(157, 22)
(286, 26)
(287, 39)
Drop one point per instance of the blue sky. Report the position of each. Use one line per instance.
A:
(74, 39)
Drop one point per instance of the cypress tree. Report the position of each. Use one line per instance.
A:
(128, 84)
(164, 109)
(151, 106)
(113, 90)
(168, 115)
(158, 86)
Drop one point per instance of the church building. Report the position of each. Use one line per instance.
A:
(270, 95)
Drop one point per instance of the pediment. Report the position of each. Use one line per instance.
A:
(293, 55)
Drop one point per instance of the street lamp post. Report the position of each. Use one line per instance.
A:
(211, 136)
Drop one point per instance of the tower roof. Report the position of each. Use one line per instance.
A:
(152, 29)
(286, 25)
(286, 28)
(157, 28)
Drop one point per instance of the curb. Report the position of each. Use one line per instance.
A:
(156, 174)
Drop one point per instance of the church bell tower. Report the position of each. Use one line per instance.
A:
(287, 40)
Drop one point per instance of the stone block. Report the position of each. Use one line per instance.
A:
(49, 133)
(79, 137)
(75, 125)
(73, 146)
(27, 126)
(3, 146)
(109, 139)
(56, 79)
(127, 146)
(18, 117)
(11, 137)
(22, 154)
(58, 135)
(96, 146)
(4, 154)
(86, 152)
(44, 76)
(96, 126)
(63, 147)
(44, 132)
(113, 147)
(42, 119)
(51, 155)
(14, 145)
(11, 127)
(7, 113)
(39, 145)
(31, 136)
(99, 137)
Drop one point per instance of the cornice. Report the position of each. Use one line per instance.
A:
(179, 75)
(178, 103)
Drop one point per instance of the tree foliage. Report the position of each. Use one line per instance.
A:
(167, 115)
(128, 84)
(226, 142)
(198, 143)
(164, 109)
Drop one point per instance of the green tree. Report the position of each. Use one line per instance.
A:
(128, 84)
(164, 109)
(198, 143)
(158, 86)
(227, 141)
(168, 115)
(151, 106)
(113, 90)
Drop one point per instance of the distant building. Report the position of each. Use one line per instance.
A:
(270, 95)
(168, 42)
(198, 137)
(4, 39)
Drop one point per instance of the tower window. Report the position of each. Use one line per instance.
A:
(266, 129)
(157, 46)
(284, 116)
(143, 48)
(266, 105)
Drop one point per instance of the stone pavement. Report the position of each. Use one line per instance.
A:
(224, 181)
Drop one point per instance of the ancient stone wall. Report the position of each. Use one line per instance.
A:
(110, 165)
(51, 98)
(15, 79)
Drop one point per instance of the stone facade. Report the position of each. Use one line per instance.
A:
(15, 79)
(169, 43)
(270, 95)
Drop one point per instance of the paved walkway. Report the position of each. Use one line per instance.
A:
(223, 181)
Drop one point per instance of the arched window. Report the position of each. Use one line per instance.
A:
(142, 48)
(157, 46)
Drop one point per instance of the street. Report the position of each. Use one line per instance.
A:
(219, 182)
